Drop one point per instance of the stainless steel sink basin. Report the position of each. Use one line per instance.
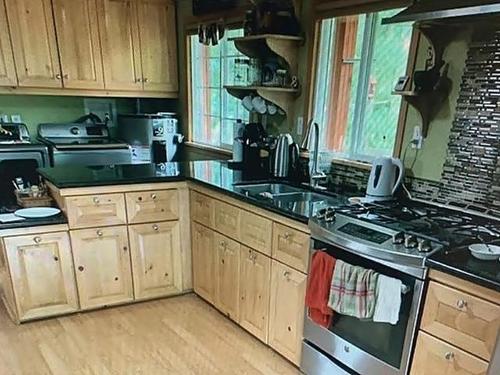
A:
(269, 190)
(301, 197)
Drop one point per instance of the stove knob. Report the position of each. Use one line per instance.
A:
(410, 241)
(424, 246)
(321, 214)
(398, 238)
(74, 130)
(330, 216)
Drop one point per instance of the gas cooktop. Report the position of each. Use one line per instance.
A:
(403, 231)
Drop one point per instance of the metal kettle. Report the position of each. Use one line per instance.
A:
(285, 156)
(385, 178)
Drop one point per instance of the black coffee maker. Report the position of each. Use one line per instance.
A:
(254, 146)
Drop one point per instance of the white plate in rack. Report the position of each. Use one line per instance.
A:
(37, 212)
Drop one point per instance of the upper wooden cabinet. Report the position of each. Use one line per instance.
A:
(34, 43)
(79, 46)
(120, 44)
(7, 70)
(158, 48)
(42, 275)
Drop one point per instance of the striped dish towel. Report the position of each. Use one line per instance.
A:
(352, 291)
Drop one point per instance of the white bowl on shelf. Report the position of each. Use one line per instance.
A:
(485, 252)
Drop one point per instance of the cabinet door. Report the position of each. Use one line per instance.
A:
(227, 219)
(152, 206)
(156, 259)
(435, 357)
(227, 276)
(158, 37)
(8, 75)
(461, 319)
(102, 262)
(42, 274)
(78, 41)
(255, 281)
(286, 313)
(256, 232)
(120, 44)
(204, 259)
(34, 43)
(96, 210)
(291, 247)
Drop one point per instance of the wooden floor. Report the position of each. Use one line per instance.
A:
(181, 335)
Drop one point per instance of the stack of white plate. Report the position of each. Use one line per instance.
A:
(485, 252)
(37, 212)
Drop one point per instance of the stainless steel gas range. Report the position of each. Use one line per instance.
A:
(394, 239)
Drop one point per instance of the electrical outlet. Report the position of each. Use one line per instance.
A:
(418, 139)
(16, 119)
(300, 125)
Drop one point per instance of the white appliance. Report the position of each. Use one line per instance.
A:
(385, 178)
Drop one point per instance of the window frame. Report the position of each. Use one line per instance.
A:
(314, 57)
(223, 147)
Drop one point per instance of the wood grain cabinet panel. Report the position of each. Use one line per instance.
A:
(286, 313)
(466, 321)
(255, 285)
(435, 357)
(8, 75)
(204, 261)
(291, 247)
(42, 275)
(34, 44)
(96, 210)
(79, 45)
(158, 44)
(103, 270)
(202, 209)
(227, 219)
(256, 232)
(118, 27)
(156, 259)
(227, 276)
(152, 206)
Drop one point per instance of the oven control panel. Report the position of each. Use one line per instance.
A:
(364, 233)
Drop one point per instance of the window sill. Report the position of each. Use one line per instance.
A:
(213, 149)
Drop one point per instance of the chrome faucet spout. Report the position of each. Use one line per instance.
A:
(311, 141)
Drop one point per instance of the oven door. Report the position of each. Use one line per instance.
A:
(368, 347)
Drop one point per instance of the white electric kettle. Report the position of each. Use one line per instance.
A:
(385, 178)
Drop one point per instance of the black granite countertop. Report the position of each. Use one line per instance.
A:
(213, 174)
(52, 220)
(460, 263)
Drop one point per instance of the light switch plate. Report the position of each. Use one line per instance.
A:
(16, 119)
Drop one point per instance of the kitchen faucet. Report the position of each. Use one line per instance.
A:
(311, 141)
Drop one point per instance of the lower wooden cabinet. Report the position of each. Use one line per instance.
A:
(435, 357)
(102, 262)
(42, 275)
(286, 313)
(204, 259)
(156, 259)
(228, 276)
(255, 279)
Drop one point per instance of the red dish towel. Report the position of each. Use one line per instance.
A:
(318, 288)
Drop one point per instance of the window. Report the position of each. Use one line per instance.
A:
(359, 63)
(213, 110)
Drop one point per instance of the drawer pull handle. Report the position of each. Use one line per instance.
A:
(153, 196)
(449, 356)
(96, 200)
(99, 233)
(37, 239)
(155, 227)
(461, 304)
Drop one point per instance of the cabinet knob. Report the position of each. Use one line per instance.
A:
(461, 304)
(286, 275)
(144, 80)
(153, 196)
(58, 76)
(56, 259)
(66, 76)
(155, 227)
(95, 200)
(223, 244)
(138, 80)
(37, 239)
(287, 235)
(449, 356)
(99, 233)
(81, 268)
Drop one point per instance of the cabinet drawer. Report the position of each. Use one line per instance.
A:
(433, 356)
(202, 209)
(256, 232)
(291, 247)
(152, 206)
(96, 210)
(461, 319)
(227, 220)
